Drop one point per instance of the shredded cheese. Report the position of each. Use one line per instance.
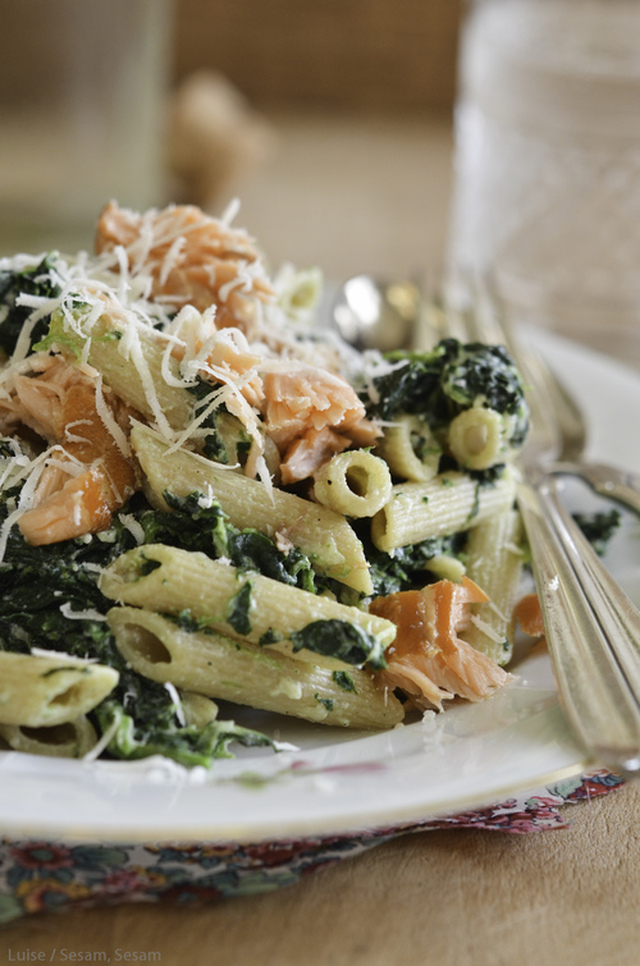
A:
(175, 697)
(133, 526)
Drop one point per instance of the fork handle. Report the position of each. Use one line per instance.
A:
(609, 481)
(592, 631)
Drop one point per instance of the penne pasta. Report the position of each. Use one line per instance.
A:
(322, 534)
(243, 605)
(73, 739)
(494, 559)
(410, 449)
(476, 438)
(355, 484)
(46, 691)
(220, 667)
(449, 503)
(134, 368)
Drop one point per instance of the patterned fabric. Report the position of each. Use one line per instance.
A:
(40, 876)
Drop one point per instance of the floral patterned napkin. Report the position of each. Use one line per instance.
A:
(41, 876)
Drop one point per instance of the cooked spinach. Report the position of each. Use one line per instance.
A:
(270, 636)
(599, 528)
(344, 680)
(484, 478)
(186, 621)
(226, 440)
(441, 383)
(39, 281)
(346, 642)
(239, 610)
(252, 550)
(157, 732)
(201, 525)
(405, 567)
(325, 702)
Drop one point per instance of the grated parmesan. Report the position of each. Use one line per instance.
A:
(81, 615)
(175, 697)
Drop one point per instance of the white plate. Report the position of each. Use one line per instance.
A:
(472, 755)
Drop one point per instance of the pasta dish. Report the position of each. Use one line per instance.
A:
(209, 501)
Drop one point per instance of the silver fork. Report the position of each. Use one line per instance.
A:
(592, 628)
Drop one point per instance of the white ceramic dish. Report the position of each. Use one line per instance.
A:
(336, 781)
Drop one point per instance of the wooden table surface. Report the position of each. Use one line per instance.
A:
(355, 195)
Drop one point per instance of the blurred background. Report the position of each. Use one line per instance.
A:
(327, 119)
(348, 125)
(333, 123)
(381, 56)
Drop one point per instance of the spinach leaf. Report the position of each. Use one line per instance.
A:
(344, 680)
(226, 440)
(156, 732)
(405, 567)
(40, 281)
(203, 525)
(346, 642)
(325, 702)
(599, 528)
(238, 613)
(252, 550)
(450, 378)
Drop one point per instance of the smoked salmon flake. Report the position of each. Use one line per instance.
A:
(90, 478)
(191, 258)
(428, 659)
(312, 414)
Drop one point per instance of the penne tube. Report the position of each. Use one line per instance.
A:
(322, 534)
(217, 666)
(410, 449)
(132, 360)
(449, 503)
(243, 605)
(73, 739)
(355, 484)
(476, 438)
(494, 556)
(46, 691)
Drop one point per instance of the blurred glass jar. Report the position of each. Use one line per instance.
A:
(82, 101)
(547, 163)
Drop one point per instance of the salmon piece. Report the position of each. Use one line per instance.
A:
(308, 398)
(300, 405)
(309, 452)
(528, 614)
(192, 259)
(53, 477)
(36, 399)
(10, 415)
(60, 405)
(84, 504)
(428, 659)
